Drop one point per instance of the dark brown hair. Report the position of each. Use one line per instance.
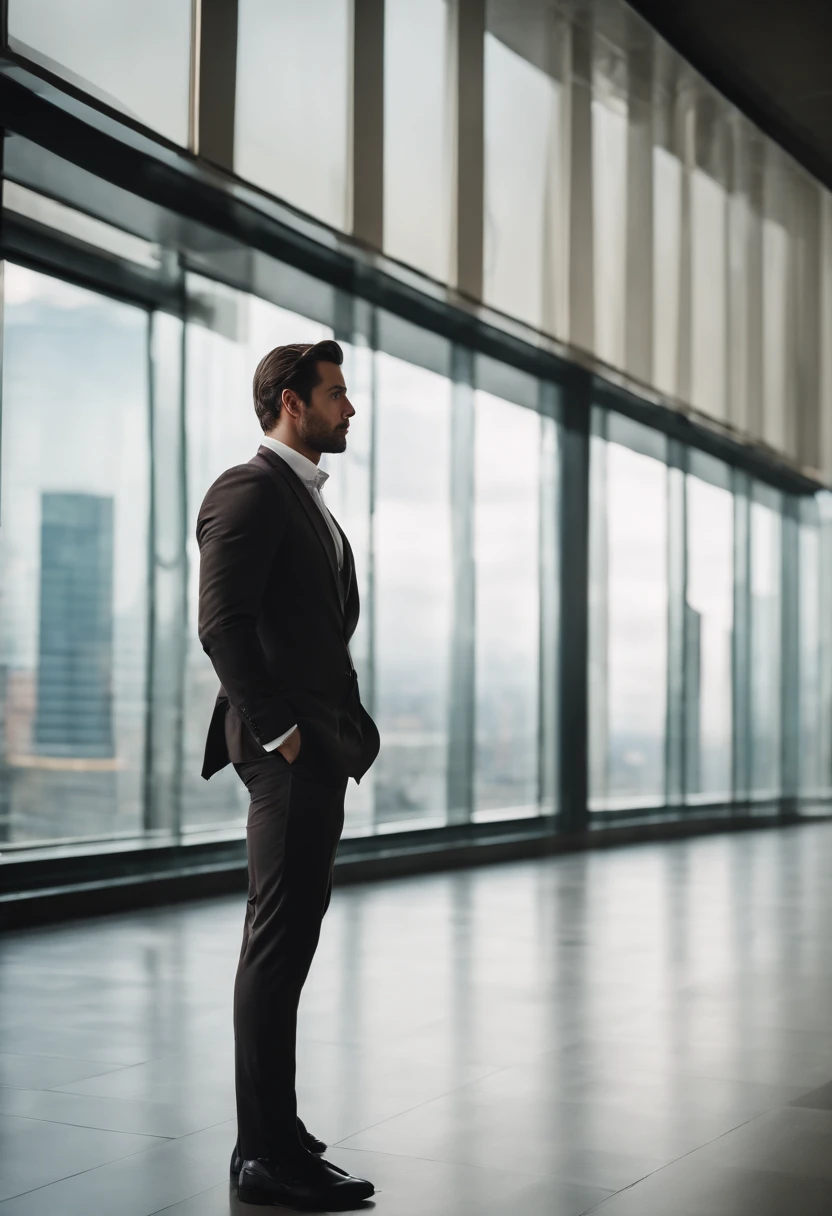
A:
(295, 367)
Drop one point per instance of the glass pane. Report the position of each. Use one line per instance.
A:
(629, 628)
(708, 291)
(507, 457)
(290, 132)
(609, 156)
(811, 661)
(413, 591)
(73, 561)
(776, 314)
(416, 131)
(134, 56)
(667, 241)
(519, 97)
(222, 430)
(765, 648)
(348, 495)
(708, 630)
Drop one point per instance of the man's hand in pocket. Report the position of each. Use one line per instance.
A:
(290, 747)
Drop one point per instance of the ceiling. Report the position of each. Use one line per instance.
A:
(771, 58)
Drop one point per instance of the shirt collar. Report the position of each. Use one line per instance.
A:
(305, 468)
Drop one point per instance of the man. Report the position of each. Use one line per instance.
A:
(278, 605)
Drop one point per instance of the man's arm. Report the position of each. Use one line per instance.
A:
(239, 531)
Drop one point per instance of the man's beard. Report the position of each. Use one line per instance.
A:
(319, 437)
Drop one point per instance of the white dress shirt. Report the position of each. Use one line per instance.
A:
(313, 478)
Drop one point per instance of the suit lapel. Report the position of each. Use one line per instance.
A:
(278, 468)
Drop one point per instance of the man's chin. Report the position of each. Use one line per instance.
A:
(335, 443)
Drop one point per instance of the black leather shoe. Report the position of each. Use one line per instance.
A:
(301, 1181)
(309, 1142)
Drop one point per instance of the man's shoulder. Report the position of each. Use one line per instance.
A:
(251, 474)
(242, 486)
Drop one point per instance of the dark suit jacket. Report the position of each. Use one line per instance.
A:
(275, 617)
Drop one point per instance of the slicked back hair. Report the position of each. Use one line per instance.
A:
(294, 366)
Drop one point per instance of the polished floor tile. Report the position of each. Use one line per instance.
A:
(640, 1030)
(144, 1183)
(684, 1189)
(165, 1119)
(35, 1153)
(817, 1099)
(45, 1072)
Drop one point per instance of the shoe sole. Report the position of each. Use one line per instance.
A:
(253, 1195)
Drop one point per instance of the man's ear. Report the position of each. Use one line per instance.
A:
(289, 399)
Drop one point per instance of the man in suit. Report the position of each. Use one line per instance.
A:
(278, 605)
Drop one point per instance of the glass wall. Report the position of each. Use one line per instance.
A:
(688, 663)
(417, 134)
(413, 589)
(522, 207)
(133, 56)
(766, 642)
(514, 733)
(629, 629)
(815, 720)
(74, 519)
(291, 118)
(708, 627)
(639, 218)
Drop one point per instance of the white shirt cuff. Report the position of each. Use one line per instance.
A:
(280, 739)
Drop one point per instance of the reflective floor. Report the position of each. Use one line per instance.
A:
(644, 1031)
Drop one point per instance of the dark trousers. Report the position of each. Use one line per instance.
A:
(294, 825)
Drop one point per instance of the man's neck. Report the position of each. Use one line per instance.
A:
(294, 443)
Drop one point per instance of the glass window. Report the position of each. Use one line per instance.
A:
(667, 244)
(776, 318)
(708, 631)
(815, 730)
(222, 350)
(416, 130)
(609, 180)
(629, 621)
(291, 120)
(811, 653)
(73, 561)
(511, 443)
(522, 140)
(708, 292)
(766, 600)
(136, 57)
(413, 590)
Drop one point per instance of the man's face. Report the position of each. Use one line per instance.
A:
(322, 425)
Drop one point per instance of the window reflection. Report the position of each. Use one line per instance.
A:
(413, 590)
(134, 56)
(708, 630)
(416, 134)
(290, 136)
(815, 539)
(509, 441)
(766, 593)
(73, 561)
(520, 196)
(629, 628)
